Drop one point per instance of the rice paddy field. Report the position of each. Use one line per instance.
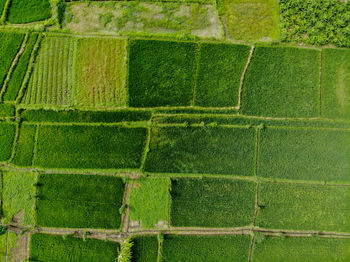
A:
(174, 131)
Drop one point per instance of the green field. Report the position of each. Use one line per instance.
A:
(145, 248)
(282, 82)
(55, 248)
(208, 150)
(321, 208)
(25, 146)
(7, 135)
(335, 83)
(79, 146)
(219, 73)
(206, 248)
(211, 202)
(79, 201)
(304, 154)
(161, 73)
(26, 11)
(7, 110)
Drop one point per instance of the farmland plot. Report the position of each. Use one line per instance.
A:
(25, 146)
(101, 73)
(7, 110)
(51, 81)
(145, 248)
(25, 11)
(304, 154)
(304, 207)
(8, 246)
(206, 248)
(7, 135)
(79, 146)
(79, 201)
(205, 150)
(211, 202)
(282, 82)
(56, 248)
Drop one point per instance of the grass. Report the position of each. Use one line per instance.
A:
(149, 201)
(301, 249)
(51, 82)
(304, 207)
(19, 198)
(9, 45)
(219, 72)
(7, 110)
(20, 70)
(101, 72)
(282, 82)
(304, 154)
(161, 73)
(26, 11)
(145, 248)
(25, 146)
(55, 248)
(42, 115)
(335, 83)
(206, 248)
(79, 146)
(211, 202)
(7, 135)
(207, 150)
(79, 201)
(250, 20)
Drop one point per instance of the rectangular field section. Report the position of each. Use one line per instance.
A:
(282, 82)
(208, 150)
(304, 207)
(304, 154)
(26, 11)
(210, 202)
(335, 83)
(145, 248)
(25, 146)
(206, 248)
(7, 136)
(45, 247)
(298, 249)
(51, 81)
(79, 201)
(161, 73)
(79, 146)
(101, 72)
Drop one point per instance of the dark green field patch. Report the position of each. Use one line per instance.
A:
(25, 11)
(78, 146)
(161, 73)
(55, 248)
(79, 201)
(304, 154)
(7, 110)
(145, 249)
(206, 248)
(219, 72)
(304, 207)
(209, 150)
(335, 83)
(282, 82)
(25, 146)
(212, 202)
(7, 135)
(302, 249)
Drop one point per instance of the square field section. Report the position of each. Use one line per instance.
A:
(79, 146)
(204, 150)
(79, 201)
(282, 82)
(212, 202)
(161, 73)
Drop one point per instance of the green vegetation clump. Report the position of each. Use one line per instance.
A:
(335, 83)
(7, 135)
(79, 201)
(282, 82)
(211, 202)
(206, 150)
(318, 208)
(318, 22)
(219, 73)
(304, 154)
(161, 73)
(79, 146)
(206, 248)
(55, 248)
(145, 248)
(26, 11)
(25, 146)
